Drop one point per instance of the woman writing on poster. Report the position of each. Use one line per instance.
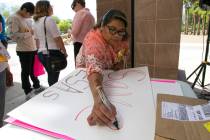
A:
(104, 47)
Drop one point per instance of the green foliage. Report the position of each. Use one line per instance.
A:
(194, 16)
(64, 25)
(57, 20)
(6, 14)
(182, 27)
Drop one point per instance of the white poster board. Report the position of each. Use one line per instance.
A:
(11, 132)
(64, 107)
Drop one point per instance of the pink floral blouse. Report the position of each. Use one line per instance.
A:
(96, 55)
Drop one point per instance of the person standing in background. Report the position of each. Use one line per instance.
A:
(4, 56)
(3, 39)
(83, 21)
(20, 32)
(43, 16)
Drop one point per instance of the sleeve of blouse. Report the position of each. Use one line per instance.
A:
(93, 56)
(35, 31)
(52, 27)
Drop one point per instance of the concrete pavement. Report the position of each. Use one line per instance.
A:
(15, 95)
(192, 53)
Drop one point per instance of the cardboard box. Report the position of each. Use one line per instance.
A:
(179, 130)
(161, 138)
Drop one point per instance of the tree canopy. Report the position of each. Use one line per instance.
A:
(195, 18)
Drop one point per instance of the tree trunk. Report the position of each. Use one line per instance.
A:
(199, 21)
(203, 25)
(207, 24)
(194, 24)
(186, 22)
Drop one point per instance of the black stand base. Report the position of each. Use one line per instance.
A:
(201, 68)
(203, 65)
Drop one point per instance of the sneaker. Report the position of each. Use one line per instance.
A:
(39, 89)
(30, 95)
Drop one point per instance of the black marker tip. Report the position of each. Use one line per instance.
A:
(116, 125)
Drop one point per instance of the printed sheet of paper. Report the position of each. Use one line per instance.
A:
(183, 112)
(64, 107)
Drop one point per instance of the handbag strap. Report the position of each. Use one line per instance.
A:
(45, 33)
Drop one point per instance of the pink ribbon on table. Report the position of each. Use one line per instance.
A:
(37, 129)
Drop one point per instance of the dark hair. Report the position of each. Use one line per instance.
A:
(113, 14)
(109, 16)
(41, 9)
(81, 2)
(29, 7)
(1, 18)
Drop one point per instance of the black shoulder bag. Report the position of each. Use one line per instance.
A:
(56, 60)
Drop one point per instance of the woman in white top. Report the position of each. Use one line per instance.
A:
(43, 12)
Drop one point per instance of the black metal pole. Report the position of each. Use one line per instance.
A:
(207, 43)
(132, 32)
(195, 71)
(197, 77)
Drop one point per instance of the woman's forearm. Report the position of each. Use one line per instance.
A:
(95, 80)
(101, 114)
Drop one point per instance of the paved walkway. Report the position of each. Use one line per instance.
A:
(15, 95)
(192, 53)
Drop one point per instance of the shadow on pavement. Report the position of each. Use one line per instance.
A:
(14, 97)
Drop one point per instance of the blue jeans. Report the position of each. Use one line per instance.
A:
(2, 95)
(52, 76)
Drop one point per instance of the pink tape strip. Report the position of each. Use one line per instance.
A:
(37, 129)
(164, 81)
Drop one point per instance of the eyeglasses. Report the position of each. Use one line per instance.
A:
(114, 31)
